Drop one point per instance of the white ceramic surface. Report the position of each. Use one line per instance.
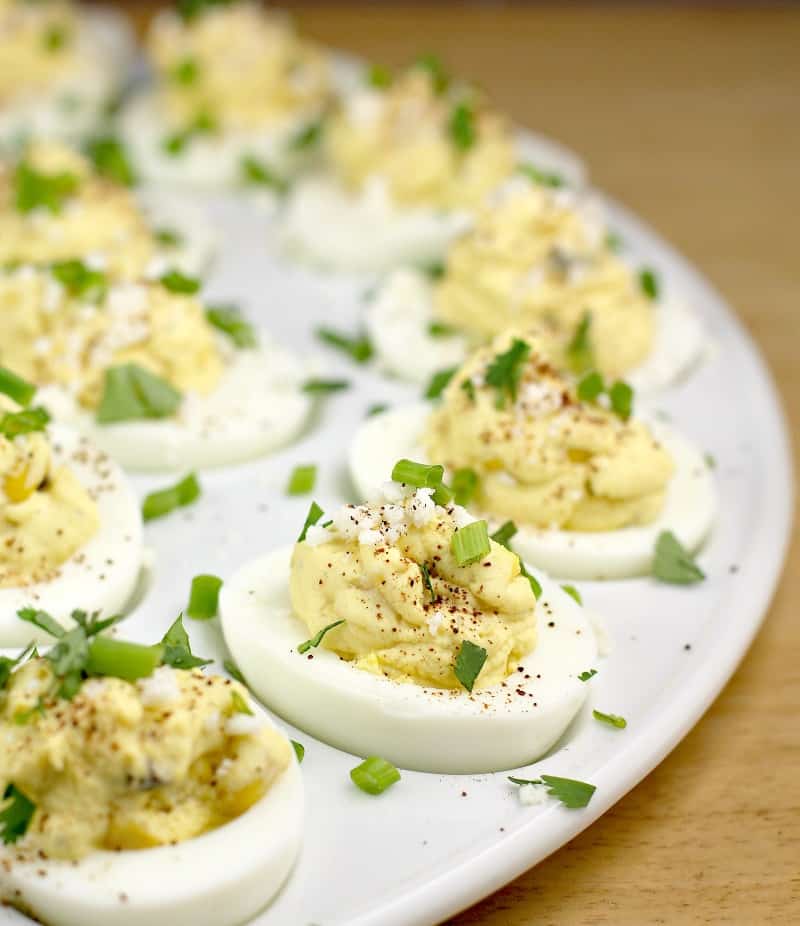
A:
(433, 844)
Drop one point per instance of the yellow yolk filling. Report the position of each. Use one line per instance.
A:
(46, 515)
(132, 765)
(393, 626)
(50, 338)
(532, 260)
(548, 460)
(37, 46)
(239, 65)
(97, 218)
(402, 136)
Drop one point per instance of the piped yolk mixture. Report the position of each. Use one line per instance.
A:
(46, 515)
(38, 48)
(367, 570)
(52, 337)
(132, 765)
(424, 146)
(543, 458)
(536, 257)
(53, 207)
(236, 67)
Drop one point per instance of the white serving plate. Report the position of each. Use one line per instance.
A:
(434, 844)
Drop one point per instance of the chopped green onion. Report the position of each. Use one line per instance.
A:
(470, 544)
(613, 720)
(110, 159)
(37, 190)
(80, 281)
(168, 237)
(302, 480)
(426, 580)
(534, 582)
(505, 371)
(317, 638)
(419, 475)
(204, 597)
(256, 173)
(649, 283)
(377, 409)
(16, 814)
(573, 593)
(28, 421)
(42, 620)
(203, 123)
(374, 775)
(469, 663)
(710, 459)
(15, 387)
(233, 670)
(589, 673)
(621, 396)
(591, 387)
(55, 37)
(177, 282)
(7, 664)
(504, 533)
(542, 177)
(325, 386)
(299, 750)
(439, 382)
(314, 514)
(462, 127)
(378, 76)
(119, 659)
(440, 330)
(673, 563)
(130, 392)
(464, 484)
(433, 65)
(434, 270)
(580, 355)
(468, 387)
(165, 501)
(357, 348)
(240, 705)
(185, 71)
(613, 241)
(308, 137)
(227, 319)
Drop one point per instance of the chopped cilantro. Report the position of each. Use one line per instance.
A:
(80, 281)
(358, 348)
(27, 421)
(580, 355)
(649, 283)
(461, 126)
(542, 177)
(573, 794)
(439, 382)
(130, 392)
(110, 159)
(317, 638)
(177, 648)
(228, 320)
(673, 563)
(469, 663)
(16, 814)
(589, 673)
(505, 371)
(37, 190)
(256, 173)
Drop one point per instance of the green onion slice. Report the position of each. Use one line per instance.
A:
(120, 659)
(204, 597)
(419, 475)
(177, 282)
(613, 720)
(165, 501)
(325, 386)
(314, 514)
(470, 543)
(317, 638)
(226, 318)
(302, 480)
(15, 387)
(374, 775)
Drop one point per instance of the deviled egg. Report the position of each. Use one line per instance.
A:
(589, 486)
(236, 99)
(537, 256)
(170, 795)
(156, 379)
(400, 629)
(61, 65)
(70, 525)
(56, 205)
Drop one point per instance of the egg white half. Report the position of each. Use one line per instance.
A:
(689, 508)
(208, 161)
(328, 226)
(399, 314)
(413, 727)
(75, 107)
(169, 210)
(221, 878)
(257, 407)
(101, 575)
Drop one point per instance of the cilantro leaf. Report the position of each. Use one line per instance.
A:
(358, 348)
(505, 371)
(580, 355)
(433, 65)
(426, 580)
(37, 190)
(673, 563)
(589, 673)
(439, 382)
(649, 283)
(7, 665)
(573, 794)
(110, 159)
(504, 533)
(42, 620)
(469, 663)
(16, 815)
(178, 650)
(27, 421)
(131, 392)
(621, 396)
(317, 638)
(461, 126)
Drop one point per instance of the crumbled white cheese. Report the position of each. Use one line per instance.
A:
(315, 535)
(213, 721)
(243, 725)
(422, 507)
(435, 621)
(532, 795)
(159, 688)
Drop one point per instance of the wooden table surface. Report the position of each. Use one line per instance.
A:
(692, 118)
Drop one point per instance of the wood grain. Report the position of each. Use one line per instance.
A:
(691, 116)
